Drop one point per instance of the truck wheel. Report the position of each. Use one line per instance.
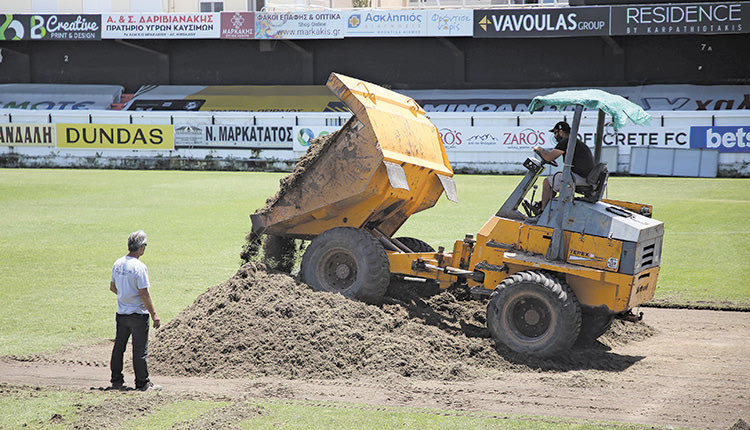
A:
(534, 313)
(593, 325)
(416, 245)
(349, 261)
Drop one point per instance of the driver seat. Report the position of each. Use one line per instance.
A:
(596, 183)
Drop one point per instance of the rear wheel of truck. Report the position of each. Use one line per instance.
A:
(349, 261)
(534, 313)
(416, 245)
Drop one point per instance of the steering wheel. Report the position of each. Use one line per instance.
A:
(551, 163)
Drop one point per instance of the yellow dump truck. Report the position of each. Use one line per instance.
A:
(581, 263)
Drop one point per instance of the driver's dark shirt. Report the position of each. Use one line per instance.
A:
(583, 160)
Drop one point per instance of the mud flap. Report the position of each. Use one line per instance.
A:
(449, 185)
(396, 175)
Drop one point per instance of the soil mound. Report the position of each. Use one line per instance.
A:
(265, 323)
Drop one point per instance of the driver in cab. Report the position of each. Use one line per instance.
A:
(583, 161)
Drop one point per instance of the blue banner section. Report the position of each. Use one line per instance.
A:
(723, 138)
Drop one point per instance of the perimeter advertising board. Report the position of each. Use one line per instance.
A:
(300, 25)
(161, 26)
(27, 135)
(237, 25)
(115, 136)
(545, 22)
(449, 22)
(386, 23)
(721, 138)
(50, 27)
(696, 18)
(247, 136)
(303, 136)
(504, 139)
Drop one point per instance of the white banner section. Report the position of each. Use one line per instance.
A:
(299, 25)
(450, 22)
(235, 136)
(161, 26)
(464, 139)
(386, 23)
(494, 139)
(303, 136)
(634, 136)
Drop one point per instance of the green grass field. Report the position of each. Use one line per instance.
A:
(61, 230)
(95, 409)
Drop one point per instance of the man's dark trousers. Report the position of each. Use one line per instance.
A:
(137, 325)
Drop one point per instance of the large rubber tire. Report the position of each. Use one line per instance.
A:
(349, 261)
(416, 245)
(534, 313)
(593, 325)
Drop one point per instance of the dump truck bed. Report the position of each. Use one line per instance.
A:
(385, 164)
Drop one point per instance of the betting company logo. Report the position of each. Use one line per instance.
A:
(722, 138)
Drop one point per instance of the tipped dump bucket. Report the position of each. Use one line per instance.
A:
(385, 164)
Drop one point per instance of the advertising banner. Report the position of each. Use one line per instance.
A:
(697, 18)
(161, 26)
(299, 25)
(115, 136)
(50, 27)
(235, 136)
(237, 25)
(495, 139)
(649, 97)
(721, 138)
(633, 136)
(545, 22)
(386, 23)
(450, 22)
(27, 135)
(247, 136)
(503, 139)
(303, 136)
(58, 96)
(246, 98)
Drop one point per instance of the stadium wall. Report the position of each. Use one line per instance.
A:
(711, 143)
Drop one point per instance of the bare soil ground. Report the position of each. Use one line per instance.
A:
(261, 334)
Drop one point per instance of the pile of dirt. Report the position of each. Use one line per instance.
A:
(265, 323)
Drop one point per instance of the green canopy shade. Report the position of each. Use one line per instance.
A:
(616, 106)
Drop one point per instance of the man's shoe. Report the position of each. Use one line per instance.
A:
(149, 387)
(532, 220)
(117, 387)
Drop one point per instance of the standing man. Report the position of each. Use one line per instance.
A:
(130, 283)
(583, 161)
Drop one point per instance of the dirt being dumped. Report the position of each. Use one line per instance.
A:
(265, 323)
(255, 243)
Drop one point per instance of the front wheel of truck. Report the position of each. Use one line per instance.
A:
(349, 261)
(534, 313)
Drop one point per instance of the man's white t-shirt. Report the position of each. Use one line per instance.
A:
(130, 275)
